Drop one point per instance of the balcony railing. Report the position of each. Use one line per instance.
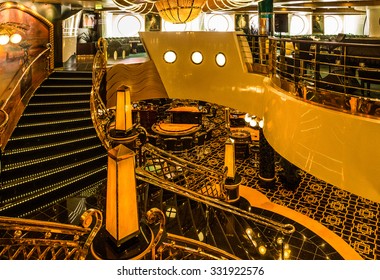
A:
(340, 73)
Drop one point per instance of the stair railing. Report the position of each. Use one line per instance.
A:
(12, 112)
(147, 177)
(101, 116)
(198, 178)
(28, 239)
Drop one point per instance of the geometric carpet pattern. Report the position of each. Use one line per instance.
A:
(353, 218)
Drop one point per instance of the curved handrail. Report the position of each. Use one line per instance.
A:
(5, 119)
(328, 74)
(146, 176)
(24, 73)
(194, 248)
(100, 115)
(4, 124)
(37, 239)
(196, 177)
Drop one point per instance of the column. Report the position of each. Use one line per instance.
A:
(266, 162)
(265, 9)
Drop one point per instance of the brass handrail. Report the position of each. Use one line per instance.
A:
(25, 71)
(100, 115)
(5, 120)
(193, 247)
(146, 176)
(213, 183)
(29, 239)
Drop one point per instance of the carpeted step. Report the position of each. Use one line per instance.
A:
(21, 187)
(46, 196)
(54, 151)
(30, 166)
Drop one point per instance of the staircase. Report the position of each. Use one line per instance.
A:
(54, 152)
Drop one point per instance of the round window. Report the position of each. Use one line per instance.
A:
(196, 57)
(170, 56)
(220, 59)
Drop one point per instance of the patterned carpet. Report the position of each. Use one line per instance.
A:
(353, 218)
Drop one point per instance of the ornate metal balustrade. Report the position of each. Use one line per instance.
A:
(166, 246)
(148, 177)
(194, 177)
(28, 239)
(101, 116)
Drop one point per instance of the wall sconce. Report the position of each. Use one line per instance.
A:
(10, 32)
(4, 39)
(122, 221)
(15, 38)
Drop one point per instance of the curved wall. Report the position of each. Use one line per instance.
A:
(336, 147)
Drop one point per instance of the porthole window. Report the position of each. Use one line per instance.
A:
(297, 25)
(170, 56)
(196, 57)
(333, 25)
(218, 23)
(129, 25)
(220, 59)
(254, 24)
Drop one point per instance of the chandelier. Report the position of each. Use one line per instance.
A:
(179, 11)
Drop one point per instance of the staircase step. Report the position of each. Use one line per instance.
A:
(72, 74)
(53, 122)
(53, 135)
(26, 186)
(54, 145)
(30, 167)
(47, 97)
(56, 106)
(63, 113)
(58, 90)
(66, 82)
(54, 151)
(43, 196)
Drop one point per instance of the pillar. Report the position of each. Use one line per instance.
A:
(265, 9)
(266, 162)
